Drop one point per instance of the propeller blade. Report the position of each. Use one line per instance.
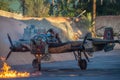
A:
(10, 40)
(86, 56)
(75, 55)
(8, 55)
(86, 36)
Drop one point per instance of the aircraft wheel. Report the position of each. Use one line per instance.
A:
(36, 65)
(82, 64)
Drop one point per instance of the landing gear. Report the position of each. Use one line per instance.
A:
(36, 65)
(82, 64)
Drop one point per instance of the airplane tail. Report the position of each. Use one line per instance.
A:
(108, 35)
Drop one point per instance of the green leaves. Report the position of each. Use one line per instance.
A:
(4, 5)
(67, 8)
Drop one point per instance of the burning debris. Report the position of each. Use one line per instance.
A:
(6, 72)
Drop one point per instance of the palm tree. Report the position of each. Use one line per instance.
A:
(94, 17)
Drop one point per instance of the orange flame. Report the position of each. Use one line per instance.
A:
(7, 73)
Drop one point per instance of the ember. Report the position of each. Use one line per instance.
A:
(6, 72)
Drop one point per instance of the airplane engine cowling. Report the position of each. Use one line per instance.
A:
(39, 48)
(38, 44)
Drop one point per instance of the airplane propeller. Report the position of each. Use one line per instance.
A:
(82, 62)
(11, 47)
(79, 55)
(83, 47)
(10, 40)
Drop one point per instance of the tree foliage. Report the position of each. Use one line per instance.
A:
(34, 8)
(108, 7)
(4, 5)
(69, 8)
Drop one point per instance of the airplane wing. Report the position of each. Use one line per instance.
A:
(102, 41)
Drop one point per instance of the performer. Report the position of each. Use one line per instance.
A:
(53, 36)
